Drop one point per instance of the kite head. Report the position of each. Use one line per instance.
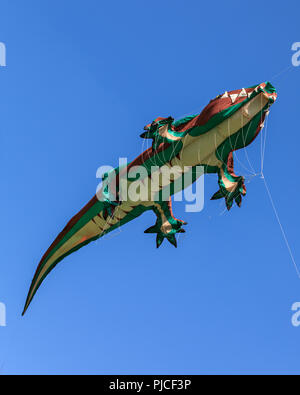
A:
(260, 99)
(240, 114)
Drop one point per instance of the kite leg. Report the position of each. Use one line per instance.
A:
(232, 187)
(166, 225)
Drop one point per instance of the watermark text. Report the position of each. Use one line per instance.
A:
(152, 184)
(2, 54)
(296, 315)
(296, 56)
(2, 314)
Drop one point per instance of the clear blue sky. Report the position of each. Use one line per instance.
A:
(82, 79)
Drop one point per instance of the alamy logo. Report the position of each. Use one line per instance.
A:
(2, 54)
(296, 56)
(2, 314)
(296, 315)
(137, 183)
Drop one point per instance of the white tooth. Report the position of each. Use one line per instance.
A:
(267, 112)
(243, 93)
(225, 95)
(249, 94)
(262, 125)
(233, 97)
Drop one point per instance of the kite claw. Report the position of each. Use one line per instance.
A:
(169, 235)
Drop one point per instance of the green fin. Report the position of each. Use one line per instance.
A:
(217, 195)
(152, 229)
(172, 240)
(159, 240)
(238, 200)
(229, 203)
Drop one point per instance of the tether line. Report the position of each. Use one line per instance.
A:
(281, 227)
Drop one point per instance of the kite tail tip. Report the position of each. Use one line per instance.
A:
(27, 303)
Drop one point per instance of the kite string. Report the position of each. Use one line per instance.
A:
(251, 170)
(284, 71)
(245, 149)
(281, 227)
(263, 141)
(263, 149)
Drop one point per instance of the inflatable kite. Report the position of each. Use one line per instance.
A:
(229, 122)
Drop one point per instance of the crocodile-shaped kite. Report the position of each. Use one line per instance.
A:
(229, 122)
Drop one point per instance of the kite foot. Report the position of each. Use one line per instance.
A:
(169, 233)
(231, 194)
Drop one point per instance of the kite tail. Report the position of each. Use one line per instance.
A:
(86, 226)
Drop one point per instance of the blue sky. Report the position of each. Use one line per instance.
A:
(82, 79)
